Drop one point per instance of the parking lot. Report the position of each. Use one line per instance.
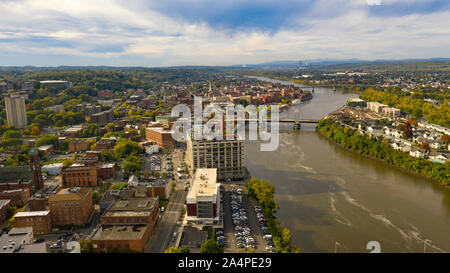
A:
(243, 227)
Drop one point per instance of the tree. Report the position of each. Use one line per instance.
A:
(11, 134)
(86, 246)
(425, 145)
(46, 140)
(445, 138)
(35, 131)
(413, 121)
(211, 246)
(185, 249)
(125, 147)
(172, 250)
(106, 156)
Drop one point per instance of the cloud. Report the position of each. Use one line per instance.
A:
(205, 32)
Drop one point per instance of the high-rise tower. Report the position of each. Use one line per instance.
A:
(15, 111)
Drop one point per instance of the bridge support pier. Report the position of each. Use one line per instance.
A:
(297, 126)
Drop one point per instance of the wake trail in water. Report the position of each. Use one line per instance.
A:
(407, 235)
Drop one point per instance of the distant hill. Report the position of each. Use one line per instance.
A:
(287, 64)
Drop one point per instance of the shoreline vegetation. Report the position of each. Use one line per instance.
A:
(379, 149)
(263, 192)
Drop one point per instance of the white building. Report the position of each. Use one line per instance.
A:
(133, 181)
(53, 169)
(376, 106)
(152, 149)
(203, 199)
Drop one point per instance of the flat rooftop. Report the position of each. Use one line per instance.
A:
(135, 204)
(127, 214)
(32, 213)
(204, 183)
(4, 202)
(53, 81)
(135, 232)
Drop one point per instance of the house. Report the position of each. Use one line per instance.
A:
(405, 148)
(435, 145)
(395, 145)
(417, 153)
(439, 157)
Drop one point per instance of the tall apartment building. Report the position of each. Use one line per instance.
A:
(72, 206)
(225, 155)
(15, 111)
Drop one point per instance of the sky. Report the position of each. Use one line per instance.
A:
(221, 32)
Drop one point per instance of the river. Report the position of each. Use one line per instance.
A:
(334, 200)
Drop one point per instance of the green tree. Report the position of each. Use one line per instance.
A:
(211, 246)
(86, 246)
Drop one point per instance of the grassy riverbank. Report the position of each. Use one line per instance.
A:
(263, 192)
(379, 149)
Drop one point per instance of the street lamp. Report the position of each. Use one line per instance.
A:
(425, 244)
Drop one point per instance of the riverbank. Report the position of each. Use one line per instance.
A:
(380, 150)
(263, 192)
(346, 88)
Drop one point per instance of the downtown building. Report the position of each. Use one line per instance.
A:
(72, 206)
(227, 156)
(203, 199)
(127, 224)
(15, 111)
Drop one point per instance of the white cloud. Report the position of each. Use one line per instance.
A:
(111, 32)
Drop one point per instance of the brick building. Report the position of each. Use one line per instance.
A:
(106, 171)
(103, 118)
(39, 200)
(40, 221)
(4, 204)
(16, 177)
(161, 188)
(127, 224)
(18, 197)
(72, 206)
(132, 211)
(161, 137)
(79, 175)
(46, 149)
(104, 144)
(88, 159)
(78, 146)
(38, 203)
(73, 131)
